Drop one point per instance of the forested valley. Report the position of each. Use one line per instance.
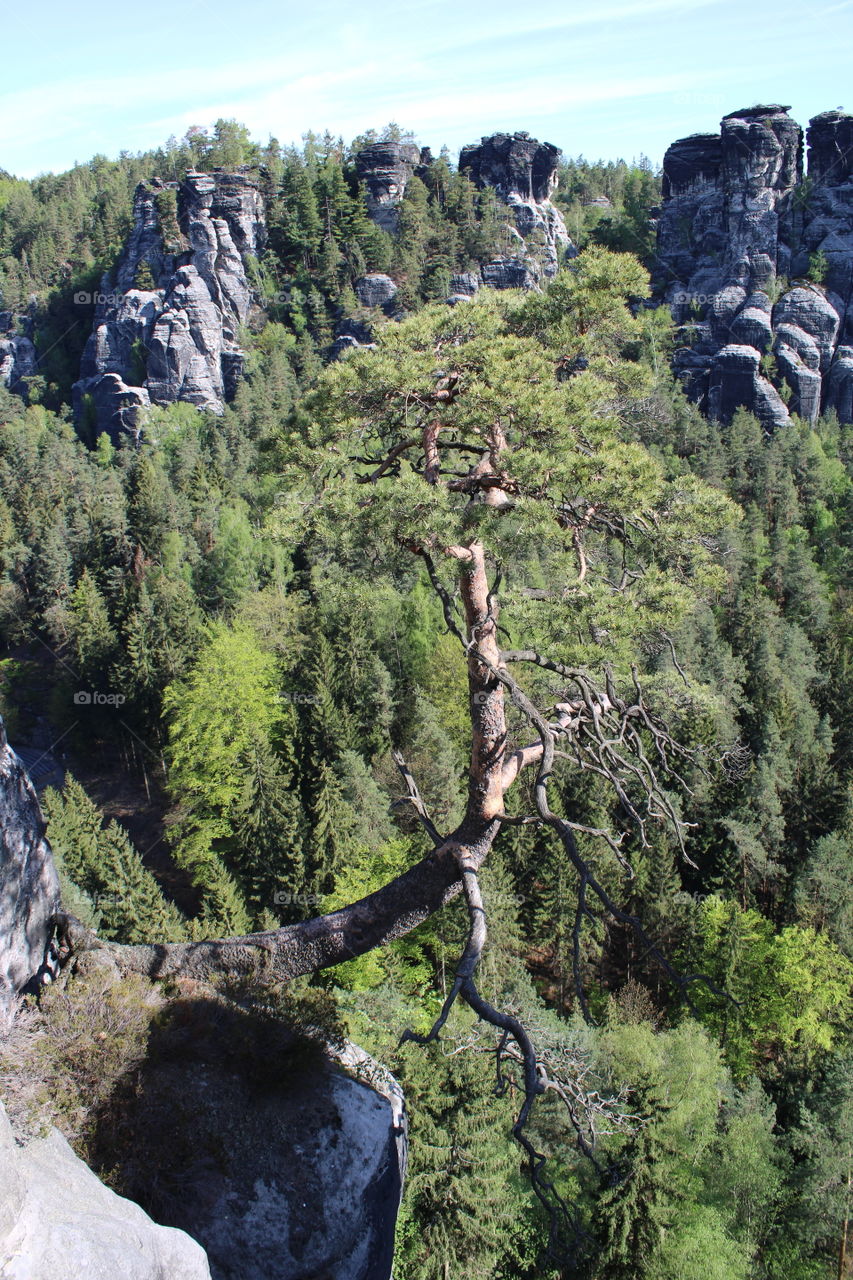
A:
(231, 629)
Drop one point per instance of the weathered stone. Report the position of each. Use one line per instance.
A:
(510, 273)
(308, 1191)
(803, 379)
(801, 342)
(185, 348)
(106, 403)
(752, 327)
(289, 1160)
(736, 214)
(58, 1219)
(121, 335)
(375, 290)
(830, 148)
(692, 164)
(29, 887)
(735, 383)
(723, 308)
(18, 361)
(385, 168)
(840, 384)
(464, 282)
(523, 172)
(768, 406)
(512, 163)
(807, 308)
(179, 341)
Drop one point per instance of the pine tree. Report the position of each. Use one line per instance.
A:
(267, 850)
(103, 864)
(636, 1207)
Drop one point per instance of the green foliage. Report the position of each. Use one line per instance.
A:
(256, 602)
(230, 757)
(102, 864)
(792, 988)
(818, 267)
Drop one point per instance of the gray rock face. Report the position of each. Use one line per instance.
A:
(375, 290)
(29, 887)
(828, 203)
(735, 382)
(385, 168)
(737, 215)
(328, 1208)
(112, 405)
(58, 1219)
(281, 1164)
(523, 172)
(179, 340)
(510, 273)
(840, 390)
(465, 283)
(514, 164)
(17, 352)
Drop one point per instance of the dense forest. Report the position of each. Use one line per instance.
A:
(223, 628)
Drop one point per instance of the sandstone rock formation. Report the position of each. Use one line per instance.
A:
(58, 1219)
(283, 1158)
(385, 168)
(523, 172)
(29, 887)
(167, 329)
(312, 1185)
(376, 290)
(740, 224)
(17, 352)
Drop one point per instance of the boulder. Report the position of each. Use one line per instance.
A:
(375, 290)
(29, 886)
(58, 1219)
(752, 327)
(809, 309)
(510, 273)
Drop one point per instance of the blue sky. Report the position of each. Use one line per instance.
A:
(605, 78)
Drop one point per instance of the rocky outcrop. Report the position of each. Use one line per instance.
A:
(376, 290)
(523, 172)
(828, 203)
(168, 328)
(283, 1158)
(740, 223)
(17, 352)
(58, 1219)
(29, 887)
(311, 1187)
(385, 169)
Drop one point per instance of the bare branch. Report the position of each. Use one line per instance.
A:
(416, 800)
